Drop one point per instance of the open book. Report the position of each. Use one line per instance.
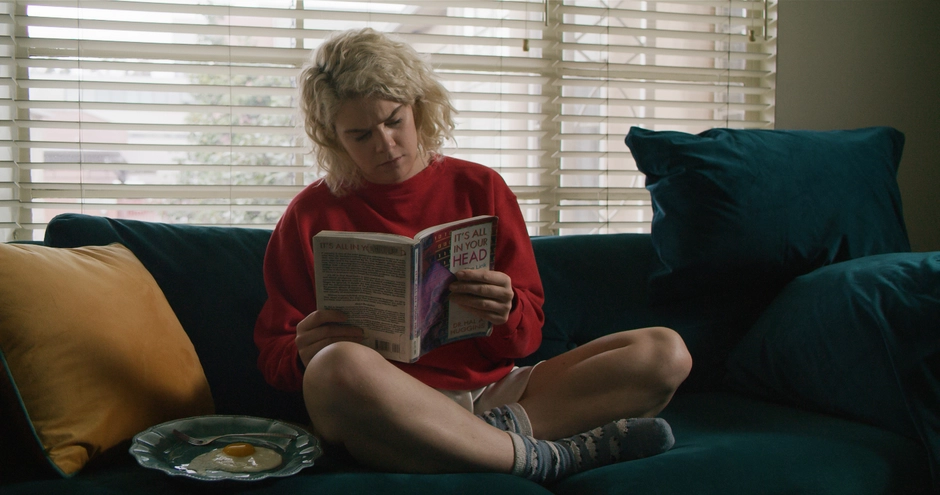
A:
(395, 288)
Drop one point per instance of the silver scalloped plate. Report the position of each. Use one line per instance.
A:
(157, 447)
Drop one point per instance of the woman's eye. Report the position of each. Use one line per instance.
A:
(362, 137)
(394, 123)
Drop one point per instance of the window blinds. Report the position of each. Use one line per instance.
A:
(180, 112)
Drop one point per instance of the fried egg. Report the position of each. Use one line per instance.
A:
(236, 458)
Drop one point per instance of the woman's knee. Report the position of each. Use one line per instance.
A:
(669, 356)
(338, 368)
(333, 386)
(334, 378)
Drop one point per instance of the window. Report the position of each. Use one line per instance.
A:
(175, 112)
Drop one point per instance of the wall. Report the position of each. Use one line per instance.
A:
(845, 64)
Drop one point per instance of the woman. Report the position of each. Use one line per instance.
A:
(378, 117)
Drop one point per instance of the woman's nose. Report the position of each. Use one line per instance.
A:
(385, 140)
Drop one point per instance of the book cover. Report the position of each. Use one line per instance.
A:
(395, 287)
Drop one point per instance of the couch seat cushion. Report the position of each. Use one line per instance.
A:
(126, 477)
(728, 444)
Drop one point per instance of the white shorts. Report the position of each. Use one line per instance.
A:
(505, 391)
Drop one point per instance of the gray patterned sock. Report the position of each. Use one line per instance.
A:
(623, 440)
(541, 461)
(511, 417)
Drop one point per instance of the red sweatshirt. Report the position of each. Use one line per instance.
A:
(448, 189)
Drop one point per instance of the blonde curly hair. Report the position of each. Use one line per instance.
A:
(366, 63)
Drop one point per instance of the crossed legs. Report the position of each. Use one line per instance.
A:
(387, 419)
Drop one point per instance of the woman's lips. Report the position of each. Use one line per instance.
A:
(392, 162)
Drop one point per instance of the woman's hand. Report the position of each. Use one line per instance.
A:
(485, 293)
(322, 328)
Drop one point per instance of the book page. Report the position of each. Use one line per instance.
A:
(368, 280)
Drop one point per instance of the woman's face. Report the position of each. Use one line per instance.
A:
(380, 137)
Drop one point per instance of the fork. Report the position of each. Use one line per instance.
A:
(207, 440)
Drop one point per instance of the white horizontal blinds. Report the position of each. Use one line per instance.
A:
(176, 112)
(156, 111)
(9, 204)
(663, 65)
(490, 56)
(184, 113)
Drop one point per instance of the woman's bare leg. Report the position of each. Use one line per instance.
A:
(622, 375)
(389, 420)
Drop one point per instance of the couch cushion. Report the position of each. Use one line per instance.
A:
(212, 278)
(124, 476)
(860, 339)
(739, 213)
(597, 284)
(91, 352)
(727, 444)
(745, 211)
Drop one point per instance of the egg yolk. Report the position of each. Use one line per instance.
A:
(239, 449)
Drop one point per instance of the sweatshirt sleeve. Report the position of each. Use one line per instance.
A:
(288, 278)
(522, 333)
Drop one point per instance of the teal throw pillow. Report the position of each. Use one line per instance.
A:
(743, 212)
(859, 339)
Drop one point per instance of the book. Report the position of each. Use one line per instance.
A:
(395, 288)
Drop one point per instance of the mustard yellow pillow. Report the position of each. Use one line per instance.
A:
(92, 349)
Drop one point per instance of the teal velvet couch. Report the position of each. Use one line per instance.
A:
(731, 437)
